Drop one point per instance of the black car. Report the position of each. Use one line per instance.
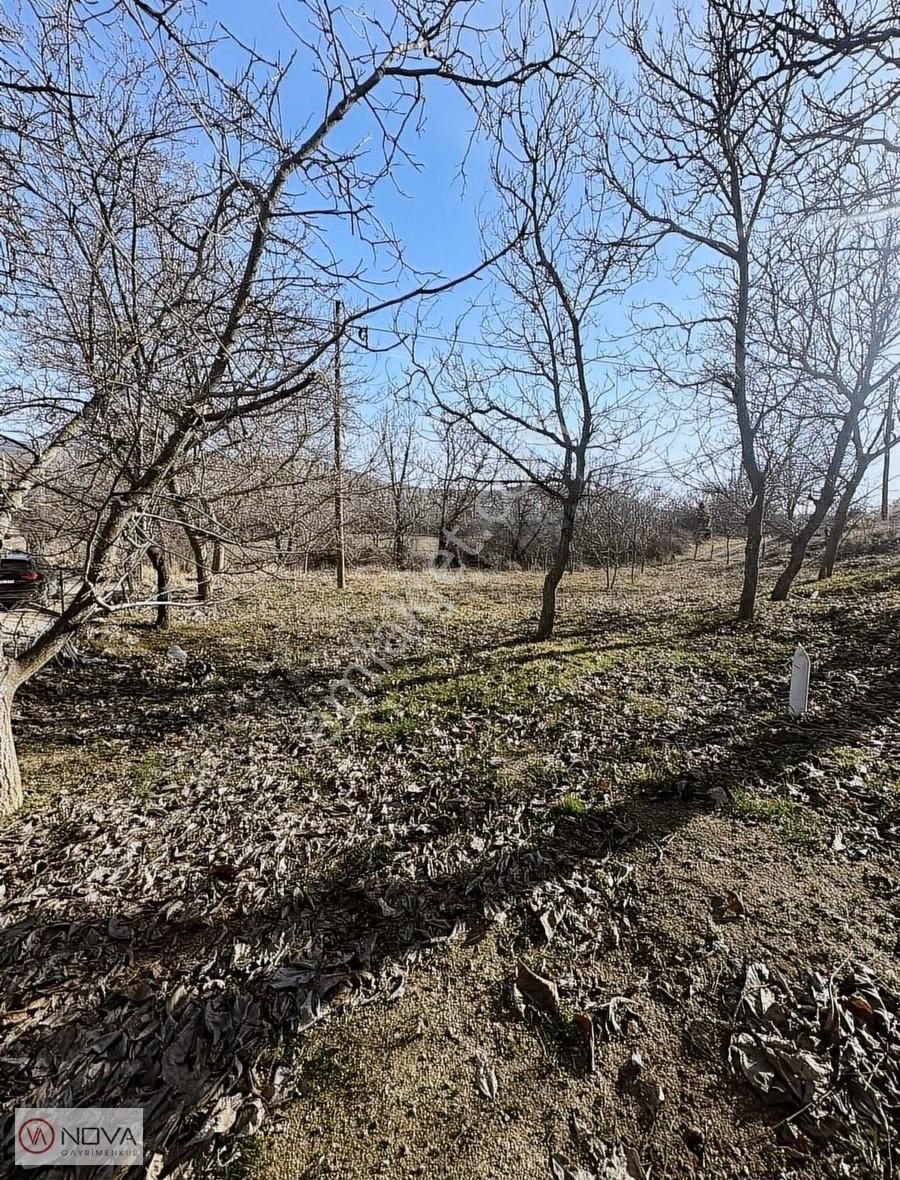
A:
(21, 579)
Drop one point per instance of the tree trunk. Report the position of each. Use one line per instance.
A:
(756, 513)
(886, 470)
(399, 549)
(201, 570)
(838, 528)
(786, 578)
(161, 566)
(10, 776)
(218, 556)
(799, 546)
(558, 567)
(755, 517)
(832, 544)
(452, 559)
(826, 498)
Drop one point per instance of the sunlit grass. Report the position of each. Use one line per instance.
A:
(573, 805)
(798, 824)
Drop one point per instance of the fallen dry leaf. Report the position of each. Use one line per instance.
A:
(861, 1008)
(541, 993)
(485, 1077)
(585, 1026)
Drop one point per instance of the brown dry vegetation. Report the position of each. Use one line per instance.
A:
(210, 916)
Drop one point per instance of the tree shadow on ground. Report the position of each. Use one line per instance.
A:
(594, 631)
(144, 704)
(174, 1019)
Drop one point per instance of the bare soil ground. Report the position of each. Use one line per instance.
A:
(212, 915)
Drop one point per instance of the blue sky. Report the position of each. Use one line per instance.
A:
(434, 216)
(433, 213)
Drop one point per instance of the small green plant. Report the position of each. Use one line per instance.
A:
(655, 764)
(145, 774)
(573, 805)
(567, 1024)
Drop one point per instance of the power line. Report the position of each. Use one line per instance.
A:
(487, 346)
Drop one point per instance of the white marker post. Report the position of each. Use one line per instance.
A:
(800, 666)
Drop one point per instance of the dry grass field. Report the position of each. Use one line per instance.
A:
(596, 907)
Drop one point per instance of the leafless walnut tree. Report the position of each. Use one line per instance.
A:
(833, 324)
(706, 150)
(874, 438)
(179, 275)
(547, 405)
(463, 471)
(398, 465)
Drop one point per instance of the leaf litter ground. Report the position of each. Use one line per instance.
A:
(510, 920)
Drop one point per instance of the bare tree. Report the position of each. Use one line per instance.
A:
(873, 439)
(548, 406)
(198, 300)
(705, 149)
(627, 522)
(855, 45)
(463, 470)
(527, 531)
(726, 499)
(399, 461)
(833, 323)
(265, 490)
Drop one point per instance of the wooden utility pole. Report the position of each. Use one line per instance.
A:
(888, 435)
(338, 452)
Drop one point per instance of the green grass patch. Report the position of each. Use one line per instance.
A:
(573, 805)
(388, 721)
(797, 823)
(508, 680)
(146, 773)
(652, 765)
(847, 757)
(860, 581)
(646, 705)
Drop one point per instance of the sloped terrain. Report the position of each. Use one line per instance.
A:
(212, 915)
